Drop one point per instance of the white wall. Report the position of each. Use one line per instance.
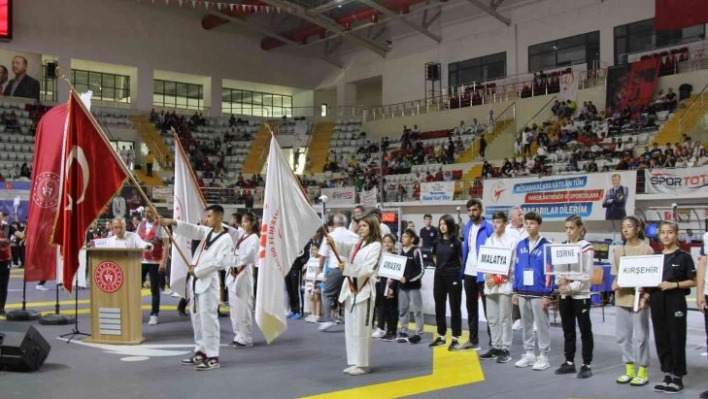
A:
(534, 23)
(153, 37)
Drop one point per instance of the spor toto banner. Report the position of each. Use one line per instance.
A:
(437, 191)
(597, 196)
(340, 195)
(677, 181)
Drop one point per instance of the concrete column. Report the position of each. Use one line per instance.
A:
(215, 95)
(145, 87)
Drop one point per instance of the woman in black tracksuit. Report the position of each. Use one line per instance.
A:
(668, 309)
(448, 282)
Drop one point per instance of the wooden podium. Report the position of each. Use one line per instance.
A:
(116, 301)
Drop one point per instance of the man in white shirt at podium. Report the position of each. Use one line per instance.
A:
(122, 238)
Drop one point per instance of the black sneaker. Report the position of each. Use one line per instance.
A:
(566, 368)
(675, 386)
(503, 356)
(439, 341)
(209, 364)
(402, 338)
(585, 372)
(389, 337)
(415, 338)
(704, 395)
(661, 387)
(197, 359)
(491, 354)
(454, 345)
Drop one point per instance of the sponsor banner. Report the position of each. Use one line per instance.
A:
(597, 196)
(368, 198)
(677, 181)
(437, 191)
(340, 195)
(162, 193)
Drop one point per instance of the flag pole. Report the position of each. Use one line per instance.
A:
(125, 169)
(322, 228)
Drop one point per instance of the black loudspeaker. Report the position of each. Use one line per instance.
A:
(23, 351)
(52, 69)
(433, 72)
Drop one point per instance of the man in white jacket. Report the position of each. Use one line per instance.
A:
(214, 253)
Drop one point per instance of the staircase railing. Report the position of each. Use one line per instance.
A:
(542, 114)
(144, 133)
(698, 100)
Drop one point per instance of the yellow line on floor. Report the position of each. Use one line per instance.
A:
(450, 369)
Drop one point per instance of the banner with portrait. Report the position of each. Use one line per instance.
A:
(597, 196)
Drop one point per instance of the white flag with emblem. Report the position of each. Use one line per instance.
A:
(288, 223)
(189, 206)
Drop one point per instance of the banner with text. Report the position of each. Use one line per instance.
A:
(677, 181)
(437, 191)
(597, 196)
(340, 195)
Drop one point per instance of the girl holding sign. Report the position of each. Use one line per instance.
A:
(668, 309)
(498, 290)
(632, 329)
(359, 293)
(448, 282)
(575, 303)
(409, 297)
(387, 302)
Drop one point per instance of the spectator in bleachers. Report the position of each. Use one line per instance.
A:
(482, 145)
(22, 85)
(4, 76)
(656, 152)
(25, 171)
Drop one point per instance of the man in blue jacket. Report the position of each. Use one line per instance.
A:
(476, 232)
(532, 292)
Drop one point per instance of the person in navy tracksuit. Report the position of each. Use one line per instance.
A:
(532, 292)
(476, 232)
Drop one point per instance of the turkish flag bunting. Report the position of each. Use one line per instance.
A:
(679, 14)
(92, 175)
(40, 257)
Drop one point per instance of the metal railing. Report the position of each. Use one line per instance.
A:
(488, 95)
(682, 118)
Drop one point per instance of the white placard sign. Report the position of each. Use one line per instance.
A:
(640, 271)
(565, 254)
(311, 271)
(100, 243)
(494, 260)
(392, 266)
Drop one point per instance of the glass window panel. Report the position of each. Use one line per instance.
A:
(193, 103)
(158, 99)
(287, 101)
(108, 80)
(181, 89)
(246, 109)
(158, 86)
(181, 101)
(571, 56)
(620, 30)
(80, 77)
(170, 88)
(267, 99)
(226, 96)
(108, 93)
(639, 26)
(94, 79)
(277, 100)
(694, 32)
(452, 67)
(257, 98)
(571, 42)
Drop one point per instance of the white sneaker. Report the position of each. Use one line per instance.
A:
(167, 291)
(324, 326)
(153, 320)
(541, 363)
(176, 295)
(526, 360)
(379, 333)
(517, 325)
(359, 371)
(40, 287)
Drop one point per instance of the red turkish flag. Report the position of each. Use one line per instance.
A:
(93, 173)
(40, 257)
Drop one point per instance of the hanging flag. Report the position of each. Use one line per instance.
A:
(288, 223)
(91, 174)
(40, 257)
(189, 206)
(679, 14)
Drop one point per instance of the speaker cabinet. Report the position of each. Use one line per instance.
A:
(432, 72)
(23, 351)
(52, 69)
